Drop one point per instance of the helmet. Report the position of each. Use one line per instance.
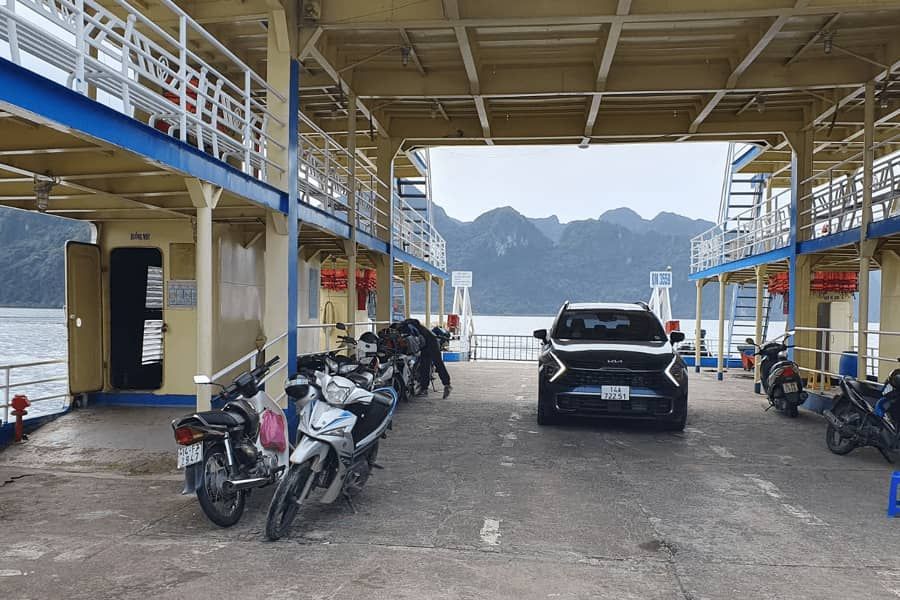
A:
(894, 379)
(367, 345)
(297, 387)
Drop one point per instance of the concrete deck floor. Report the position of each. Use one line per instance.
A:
(475, 501)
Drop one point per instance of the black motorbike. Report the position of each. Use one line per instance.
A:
(865, 414)
(223, 453)
(780, 376)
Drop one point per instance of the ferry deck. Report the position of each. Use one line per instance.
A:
(238, 154)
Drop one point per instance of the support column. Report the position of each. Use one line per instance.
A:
(866, 246)
(801, 304)
(760, 297)
(384, 287)
(351, 213)
(407, 291)
(428, 300)
(204, 197)
(720, 363)
(441, 321)
(889, 345)
(387, 149)
(281, 237)
(698, 326)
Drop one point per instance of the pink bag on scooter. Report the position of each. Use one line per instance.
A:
(271, 431)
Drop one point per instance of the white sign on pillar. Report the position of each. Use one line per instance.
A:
(660, 282)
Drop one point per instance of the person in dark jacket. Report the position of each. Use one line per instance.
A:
(431, 352)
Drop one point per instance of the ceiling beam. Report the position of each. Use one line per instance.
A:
(740, 69)
(320, 58)
(466, 43)
(413, 53)
(606, 59)
(827, 26)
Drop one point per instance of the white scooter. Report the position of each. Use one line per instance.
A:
(340, 427)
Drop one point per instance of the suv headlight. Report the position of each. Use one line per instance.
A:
(335, 393)
(555, 369)
(674, 372)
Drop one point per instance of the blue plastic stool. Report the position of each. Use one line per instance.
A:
(893, 507)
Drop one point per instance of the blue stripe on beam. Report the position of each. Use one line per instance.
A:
(47, 101)
(744, 263)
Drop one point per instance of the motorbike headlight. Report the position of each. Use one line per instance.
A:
(335, 393)
(674, 372)
(555, 369)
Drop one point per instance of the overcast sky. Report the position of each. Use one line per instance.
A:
(575, 183)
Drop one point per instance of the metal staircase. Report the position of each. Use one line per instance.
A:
(742, 194)
(743, 316)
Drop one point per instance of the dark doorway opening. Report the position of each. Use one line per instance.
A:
(136, 325)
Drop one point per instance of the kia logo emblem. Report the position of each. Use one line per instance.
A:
(614, 362)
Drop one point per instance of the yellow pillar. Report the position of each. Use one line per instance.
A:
(204, 197)
(428, 300)
(383, 287)
(407, 291)
(889, 345)
(866, 246)
(441, 303)
(720, 364)
(351, 213)
(698, 326)
(760, 298)
(384, 163)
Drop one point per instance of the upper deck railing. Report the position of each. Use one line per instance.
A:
(833, 207)
(130, 63)
(324, 181)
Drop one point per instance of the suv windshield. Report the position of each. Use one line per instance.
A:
(609, 325)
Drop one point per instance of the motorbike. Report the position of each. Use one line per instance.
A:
(227, 452)
(341, 425)
(865, 414)
(780, 375)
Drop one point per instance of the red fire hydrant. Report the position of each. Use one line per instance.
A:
(20, 403)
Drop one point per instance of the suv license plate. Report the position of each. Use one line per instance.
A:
(790, 387)
(188, 455)
(615, 392)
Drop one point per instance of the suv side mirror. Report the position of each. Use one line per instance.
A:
(676, 337)
(540, 334)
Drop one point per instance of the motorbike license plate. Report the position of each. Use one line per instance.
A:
(615, 392)
(790, 387)
(189, 455)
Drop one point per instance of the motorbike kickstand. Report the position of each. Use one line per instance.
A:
(350, 503)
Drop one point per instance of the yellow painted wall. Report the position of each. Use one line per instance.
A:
(889, 345)
(237, 296)
(179, 362)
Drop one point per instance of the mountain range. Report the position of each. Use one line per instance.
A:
(525, 265)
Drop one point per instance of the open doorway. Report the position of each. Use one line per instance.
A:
(136, 325)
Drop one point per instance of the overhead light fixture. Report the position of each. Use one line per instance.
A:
(760, 103)
(404, 55)
(585, 143)
(828, 41)
(883, 97)
(42, 187)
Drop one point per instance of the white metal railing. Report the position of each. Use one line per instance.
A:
(836, 206)
(7, 384)
(127, 61)
(833, 207)
(323, 182)
(327, 329)
(761, 228)
(250, 359)
(822, 374)
(324, 178)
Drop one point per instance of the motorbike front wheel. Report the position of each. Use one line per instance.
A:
(223, 509)
(291, 491)
(837, 443)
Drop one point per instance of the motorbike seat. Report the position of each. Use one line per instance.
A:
(868, 390)
(362, 379)
(221, 417)
(383, 398)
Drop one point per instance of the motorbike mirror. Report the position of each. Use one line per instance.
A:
(750, 341)
(202, 379)
(341, 326)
